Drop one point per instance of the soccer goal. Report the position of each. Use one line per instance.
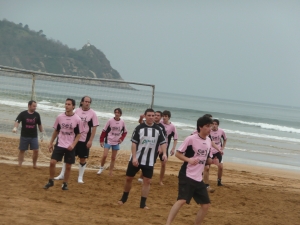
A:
(50, 91)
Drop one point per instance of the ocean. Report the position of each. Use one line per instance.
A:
(258, 134)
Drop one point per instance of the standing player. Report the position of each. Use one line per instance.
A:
(218, 136)
(145, 141)
(67, 129)
(157, 119)
(112, 136)
(82, 149)
(194, 152)
(171, 132)
(29, 137)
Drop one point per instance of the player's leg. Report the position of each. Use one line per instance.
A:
(201, 197)
(62, 173)
(56, 156)
(220, 170)
(34, 145)
(206, 178)
(201, 213)
(174, 210)
(83, 153)
(23, 146)
(162, 169)
(147, 173)
(130, 173)
(103, 159)
(69, 160)
(113, 159)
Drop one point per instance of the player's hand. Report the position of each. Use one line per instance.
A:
(89, 144)
(120, 141)
(42, 136)
(50, 148)
(14, 130)
(102, 144)
(165, 158)
(135, 162)
(172, 151)
(193, 161)
(71, 147)
(222, 152)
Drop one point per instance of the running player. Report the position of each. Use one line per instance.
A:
(218, 136)
(157, 119)
(29, 136)
(82, 149)
(67, 129)
(171, 132)
(194, 152)
(113, 134)
(145, 141)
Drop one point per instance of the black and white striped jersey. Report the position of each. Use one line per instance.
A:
(147, 138)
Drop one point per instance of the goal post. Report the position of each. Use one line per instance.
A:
(50, 91)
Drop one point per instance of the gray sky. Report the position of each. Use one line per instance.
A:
(240, 50)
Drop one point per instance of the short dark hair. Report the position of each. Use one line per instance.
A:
(118, 109)
(72, 100)
(217, 121)
(148, 110)
(159, 112)
(30, 102)
(167, 113)
(208, 115)
(202, 121)
(82, 100)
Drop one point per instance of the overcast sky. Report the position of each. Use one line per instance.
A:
(238, 50)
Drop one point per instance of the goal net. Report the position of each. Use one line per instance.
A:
(50, 92)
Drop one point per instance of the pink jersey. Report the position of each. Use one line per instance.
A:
(217, 136)
(68, 127)
(197, 148)
(89, 119)
(113, 131)
(210, 151)
(170, 132)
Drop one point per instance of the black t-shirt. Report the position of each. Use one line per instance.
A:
(29, 122)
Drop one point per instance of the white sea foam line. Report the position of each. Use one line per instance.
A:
(268, 126)
(262, 136)
(263, 152)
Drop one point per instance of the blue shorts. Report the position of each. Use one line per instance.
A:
(113, 147)
(25, 142)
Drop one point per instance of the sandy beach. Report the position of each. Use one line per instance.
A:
(251, 195)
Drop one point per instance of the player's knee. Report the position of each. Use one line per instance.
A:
(129, 179)
(206, 168)
(220, 166)
(205, 207)
(113, 158)
(146, 181)
(53, 162)
(82, 160)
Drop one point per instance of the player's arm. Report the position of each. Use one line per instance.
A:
(72, 146)
(182, 157)
(90, 142)
(15, 128)
(213, 144)
(173, 148)
(133, 152)
(53, 137)
(223, 145)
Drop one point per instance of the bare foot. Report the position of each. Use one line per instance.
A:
(161, 183)
(120, 203)
(35, 167)
(110, 174)
(146, 207)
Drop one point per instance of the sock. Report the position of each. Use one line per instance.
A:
(219, 180)
(143, 202)
(124, 197)
(82, 164)
(51, 181)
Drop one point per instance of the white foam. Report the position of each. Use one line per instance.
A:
(268, 126)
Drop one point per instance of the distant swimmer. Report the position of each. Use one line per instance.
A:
(145, 141)
(113, 134)
(30, 120)
(194, 152)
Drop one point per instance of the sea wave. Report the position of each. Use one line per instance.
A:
(267, 126)
(262, 152)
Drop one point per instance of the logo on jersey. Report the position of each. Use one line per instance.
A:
(201, 152)
(146, 141)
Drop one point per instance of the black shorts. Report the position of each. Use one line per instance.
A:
(81, 150)
(59, 152)
(189, 188)
(132, 170)
(219, 156)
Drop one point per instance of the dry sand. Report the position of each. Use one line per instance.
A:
(251, 195)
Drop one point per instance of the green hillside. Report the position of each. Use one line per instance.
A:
(23, 48)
